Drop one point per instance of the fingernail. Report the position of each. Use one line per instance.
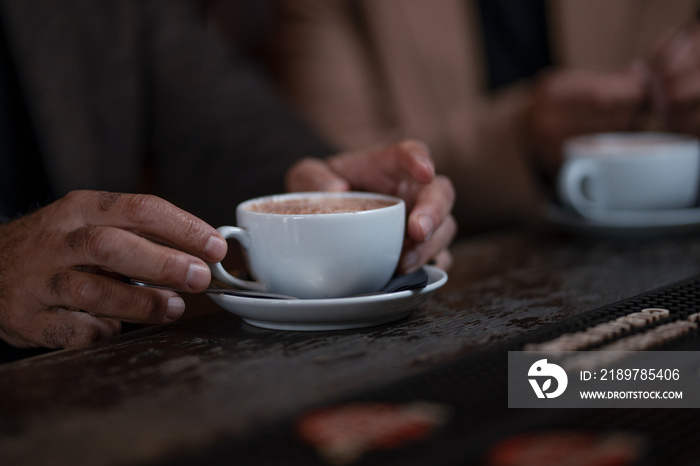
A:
(409, 262)
(426, 226)
(176, 306)
(198, 276)
(216, 248)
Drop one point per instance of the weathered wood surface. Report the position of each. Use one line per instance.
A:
(155, 393)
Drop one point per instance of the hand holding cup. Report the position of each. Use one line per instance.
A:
(405, 170)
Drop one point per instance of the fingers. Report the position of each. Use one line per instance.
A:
(106, 297)
(611, 101)
(407, 159)
(676, 54)
(405, 170)
(380, 169)
(675, 65)
(141, 236)
(383, 169)
(70, 329)
(415, 255)
(77, 308)
(314, 175)
(596, 89)
(62, 328)
(679, 100)
(433, 204)
(133, 256)
(56, 293)
(151, 217)
(572, 102)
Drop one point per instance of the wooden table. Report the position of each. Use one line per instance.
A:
(157, 393)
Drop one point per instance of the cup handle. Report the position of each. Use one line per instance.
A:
(217, 270)
(571, 183)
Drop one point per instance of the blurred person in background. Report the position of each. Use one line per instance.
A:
(492, 86)
(104, 101)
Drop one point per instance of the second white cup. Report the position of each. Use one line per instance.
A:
(629, 172)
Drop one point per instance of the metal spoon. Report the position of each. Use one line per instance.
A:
(227, 291)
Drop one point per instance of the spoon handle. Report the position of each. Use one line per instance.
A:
(226, 291)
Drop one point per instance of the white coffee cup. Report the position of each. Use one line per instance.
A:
(629, 172)
(317, 255)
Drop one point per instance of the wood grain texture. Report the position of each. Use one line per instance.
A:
(155, 393)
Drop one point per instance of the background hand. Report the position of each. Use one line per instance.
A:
(405, 170)
(675, 71)
(61, 267)
(571, 102)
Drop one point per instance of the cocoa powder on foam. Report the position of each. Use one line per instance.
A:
(320, 205)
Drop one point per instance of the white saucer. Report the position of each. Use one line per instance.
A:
(331, 314)
(626, 222)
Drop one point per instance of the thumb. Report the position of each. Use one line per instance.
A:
(314, 175)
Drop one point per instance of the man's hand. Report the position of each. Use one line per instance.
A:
(61, 267)
(405, 170)
(675, 70)
(571, 102)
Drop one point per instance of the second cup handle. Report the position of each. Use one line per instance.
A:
(571, 183)
(243, 237)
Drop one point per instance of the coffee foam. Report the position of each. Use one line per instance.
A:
(319, 205)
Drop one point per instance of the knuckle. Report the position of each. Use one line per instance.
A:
(93, 295)
(84, 295)
(67, 334)
(58, 283)
(83, 335)
(107, 200)
(140, 208)
(78, 196)
(73, 202)
(100, 244)
(79, 237)
(53, 335)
